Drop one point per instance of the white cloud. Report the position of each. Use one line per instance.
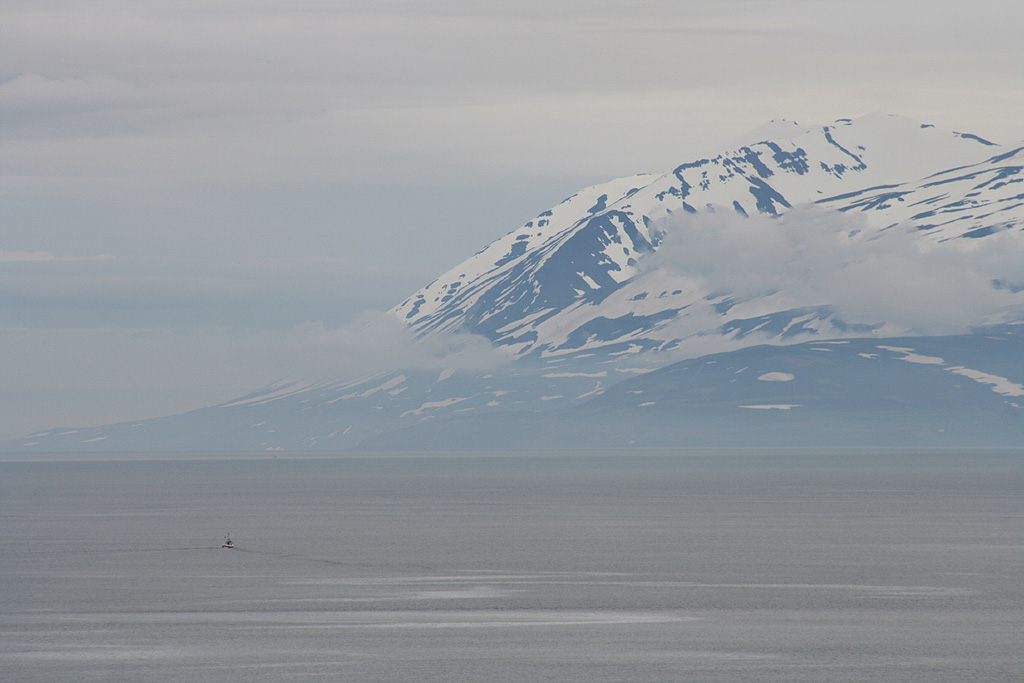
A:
(376, 342)
(621, 87)
(810, 257)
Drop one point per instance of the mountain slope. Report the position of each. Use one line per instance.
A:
(963, 390)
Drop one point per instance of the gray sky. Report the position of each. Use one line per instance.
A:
(187, 187)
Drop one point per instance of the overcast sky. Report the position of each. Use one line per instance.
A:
(187, 187)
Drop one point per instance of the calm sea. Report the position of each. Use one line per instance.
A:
(850, 566)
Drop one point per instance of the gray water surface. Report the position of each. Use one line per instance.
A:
(892, 566)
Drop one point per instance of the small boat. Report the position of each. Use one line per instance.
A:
(228, 543)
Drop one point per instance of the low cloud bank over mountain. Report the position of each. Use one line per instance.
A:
(810, 256)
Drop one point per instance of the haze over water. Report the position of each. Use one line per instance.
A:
(810, 566)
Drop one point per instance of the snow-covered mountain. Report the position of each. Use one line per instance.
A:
(862, 229)
(573, 279)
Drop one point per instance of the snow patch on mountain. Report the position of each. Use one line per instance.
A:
(911, 357)
(774, 406)
(776, 377)
(1000, 385)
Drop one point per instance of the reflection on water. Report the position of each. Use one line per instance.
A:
(571, 567)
